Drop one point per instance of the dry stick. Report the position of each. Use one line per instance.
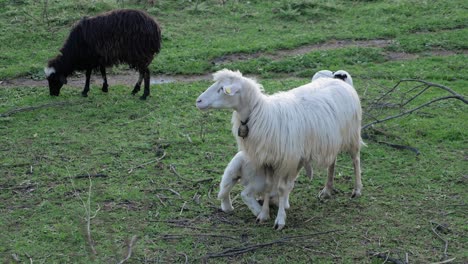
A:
(440, 237)
(129, 249)
(186, 257)
(445, 261)
(30, 108)
(146, 163)
(173, 170)
(237, 251)
(386, 257)
(410, 111)
(171, 236)
(87, 207)
(97, 175)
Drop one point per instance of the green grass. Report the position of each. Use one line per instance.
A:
(161, 159)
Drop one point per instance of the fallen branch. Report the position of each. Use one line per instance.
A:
(386, 257)
(408, 112)
(31, 108)
(98, 175)
(87, 208)
(425, 84)
(415, 150)
(440, 237)
(146, 163)
(172, 236)
(129, 249)
(241, 250)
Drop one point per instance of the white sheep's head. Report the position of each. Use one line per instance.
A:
(322, 74)
(224, 93)
(343, 75)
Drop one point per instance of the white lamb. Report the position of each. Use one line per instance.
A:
(313, 122)
(241, 170)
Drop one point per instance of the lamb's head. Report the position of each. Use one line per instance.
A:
(55, 79)
(224, 93)
(343, 75)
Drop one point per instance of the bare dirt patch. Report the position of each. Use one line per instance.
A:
(279, 54)
(127, 78)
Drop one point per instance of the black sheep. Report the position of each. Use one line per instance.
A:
(119, 36)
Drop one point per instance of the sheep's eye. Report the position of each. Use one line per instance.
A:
(220, 89)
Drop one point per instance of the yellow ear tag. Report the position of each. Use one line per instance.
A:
(227, 90)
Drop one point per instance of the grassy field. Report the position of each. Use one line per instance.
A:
(150, 169)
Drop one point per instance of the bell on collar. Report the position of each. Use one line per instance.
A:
(243, 131)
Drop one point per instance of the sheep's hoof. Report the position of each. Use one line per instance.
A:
(278, 226)
(136, 89)
(262, 217)
(105, 88)
(84, 94)
(325, 194)
(142, 97)
(356, 193)
(227, 208)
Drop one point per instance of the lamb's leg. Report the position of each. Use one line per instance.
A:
(357, 174)
(265, 212)
(136, 89)
(248, 196)
(328, 189)
(230, 178)
(105, 86)
(146, 77)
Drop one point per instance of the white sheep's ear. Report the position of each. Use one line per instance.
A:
(49, 71)
(231, 89)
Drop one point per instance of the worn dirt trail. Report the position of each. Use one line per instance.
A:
(130, 77)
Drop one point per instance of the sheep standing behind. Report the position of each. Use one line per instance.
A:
(120, 36)
(340, 74)
(313, 122)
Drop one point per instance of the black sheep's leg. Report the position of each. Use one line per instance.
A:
(146, 92)
(105, 87)
(138, 84)
(86, 87)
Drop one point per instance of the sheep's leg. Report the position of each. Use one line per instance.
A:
(284, 188)
(146, 77)
(328, 189)
(357, 175)
(136, 89)
(248, 196)
(85, 91)
(105, 86)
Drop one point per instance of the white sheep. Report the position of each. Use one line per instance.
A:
(322, 74)
(241, 170)
(340, 74)
(313, 122)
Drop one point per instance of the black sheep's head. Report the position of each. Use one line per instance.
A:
(55, 79)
